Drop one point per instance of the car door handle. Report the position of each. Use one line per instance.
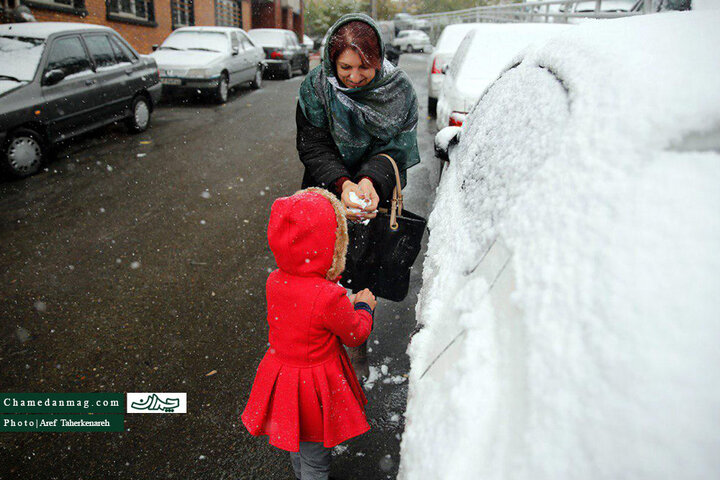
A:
(128, 71)
(89, 82)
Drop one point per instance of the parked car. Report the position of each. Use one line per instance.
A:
(59, 80)
(403, 21)
(570, 304)
(479, 59)
(412, 41)
(210, 60)
(284, 54)
(309, 43)
(444, 50)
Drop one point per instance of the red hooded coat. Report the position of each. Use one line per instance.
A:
(305, 388)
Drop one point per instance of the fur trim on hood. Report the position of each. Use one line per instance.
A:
(341, 234)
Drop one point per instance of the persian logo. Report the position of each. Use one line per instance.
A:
(156, 402)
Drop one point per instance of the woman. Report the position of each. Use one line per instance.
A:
(353, 107)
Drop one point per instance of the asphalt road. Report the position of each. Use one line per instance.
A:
(138, 264)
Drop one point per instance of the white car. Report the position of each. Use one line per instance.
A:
(571, 297)
(412, 41)
(211, 59)
(443, 52)
(308, 42)
(480, 58)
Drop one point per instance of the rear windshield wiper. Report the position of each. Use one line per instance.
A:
(170, 48)
(8, 77)
(204, 49)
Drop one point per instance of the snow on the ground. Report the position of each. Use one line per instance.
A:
(571, 296)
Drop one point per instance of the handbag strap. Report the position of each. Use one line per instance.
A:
(396, 204)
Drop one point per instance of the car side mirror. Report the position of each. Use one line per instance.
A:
(235, 50)
(445, 69)
(445, 140)
(155, 47)
(51, 77)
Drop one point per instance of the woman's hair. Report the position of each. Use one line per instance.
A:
(362, 38)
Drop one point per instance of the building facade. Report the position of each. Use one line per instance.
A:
(145, 23)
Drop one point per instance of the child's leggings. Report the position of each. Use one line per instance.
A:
(312, 462)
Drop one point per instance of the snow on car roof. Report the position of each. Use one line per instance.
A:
(491, 47)
(270, 30)
(452, 35)
(660, 68)
(45, 29)
(207, 29)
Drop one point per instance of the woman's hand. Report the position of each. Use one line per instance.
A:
(347, 188)
(367, 191)
(366, 296)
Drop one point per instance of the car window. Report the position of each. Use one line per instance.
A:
(122, 53)
(245, 40)
(68, 54)
(100, 50)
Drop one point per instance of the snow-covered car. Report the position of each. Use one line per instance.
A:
(480, 58)
(412, 41)
(571, 299)
(440, 57)
(59, 80)
(209, 59)
(284, 53)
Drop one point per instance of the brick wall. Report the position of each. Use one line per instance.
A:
(143, 37)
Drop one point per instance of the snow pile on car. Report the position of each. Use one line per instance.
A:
(571, 297)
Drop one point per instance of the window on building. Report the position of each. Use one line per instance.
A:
(228, 13)
(131, 10)
(183, 13)
(71, 6)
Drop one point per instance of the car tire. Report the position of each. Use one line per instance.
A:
(305, 67)
(23, 153)
(432, 106)
(288, 72)
(409, 49)
(139, 119)
(223, 88)
(257, 80)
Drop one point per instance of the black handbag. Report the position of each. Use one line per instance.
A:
(381, 253)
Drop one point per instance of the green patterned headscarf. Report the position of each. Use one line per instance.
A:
(380, 117)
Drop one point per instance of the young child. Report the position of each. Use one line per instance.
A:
(306, 396)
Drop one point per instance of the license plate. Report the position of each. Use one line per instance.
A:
(171, 81)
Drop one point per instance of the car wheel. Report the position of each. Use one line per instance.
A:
(305, 67)
(432, 106)
(257, 81)
(409, 49)
(223, 88)
(139, 118)
(23, 153)
(288, 71)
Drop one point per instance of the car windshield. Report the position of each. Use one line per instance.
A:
(193, 40)
(19, 58)
(268, 38)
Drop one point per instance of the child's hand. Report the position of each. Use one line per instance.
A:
(367, 297)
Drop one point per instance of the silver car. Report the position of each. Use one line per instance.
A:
(209, 59)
